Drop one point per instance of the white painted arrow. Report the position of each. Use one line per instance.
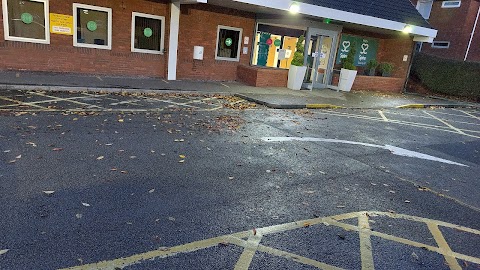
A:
(393, 149)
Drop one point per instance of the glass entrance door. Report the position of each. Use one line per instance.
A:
(323, 64)
(320, 64)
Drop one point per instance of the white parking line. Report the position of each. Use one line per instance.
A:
(445, 123)
(383, 116)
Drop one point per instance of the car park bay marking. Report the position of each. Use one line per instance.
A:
(253, 244)
(393, 149)
(445, 123)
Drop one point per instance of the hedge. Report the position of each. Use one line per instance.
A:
(449, 77)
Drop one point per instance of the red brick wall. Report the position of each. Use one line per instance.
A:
(454, 25)
(262, 77)
(61, 56)
(375, 83)
(198, 27)
(393, 50)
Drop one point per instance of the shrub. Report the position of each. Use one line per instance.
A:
(298, 55)
(349, 62)
(386, 68)
(449, 77)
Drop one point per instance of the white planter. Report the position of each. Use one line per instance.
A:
(296, 75)
(346, 79)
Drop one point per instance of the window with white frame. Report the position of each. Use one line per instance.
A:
(26, 21)
(228, 43)
(451, 4)
(425, 8)
(92, 26)
(441, 44)
(148, 33)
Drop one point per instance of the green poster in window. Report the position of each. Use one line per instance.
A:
(277, 43)
(148, 32)
(228, 42)
(26, 18)
(367, 49)
(92, 26)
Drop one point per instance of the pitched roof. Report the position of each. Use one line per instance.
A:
(394, 10)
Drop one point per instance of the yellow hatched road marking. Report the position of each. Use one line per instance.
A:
(253, 244)
(442, 243)
(250, 248)
(23, 103)
(365, 243)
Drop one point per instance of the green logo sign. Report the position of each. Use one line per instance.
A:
(277, 43)
(92, 26)
(27, 18)
(228, 42)
(367, 49)
(148, 32)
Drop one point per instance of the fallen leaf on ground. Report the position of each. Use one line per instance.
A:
(306, 224)
(132, 157)
(12, 161)
(151, 190)
(7, 151)
(85, 204)
(231, 177)
(121, 120)
(341, 206)
(181, 161)
(391, 191)
(100, 157)
(182, 156)
(124, 172)
(57, 149)
(407, 201)
(113, 169)
(109, 144)
(254, 231)
(18, 157)
(3, 251)
(171, 218)
(79, 216)
(48, 192)
(32, 144)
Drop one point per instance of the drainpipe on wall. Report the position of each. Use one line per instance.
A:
(472, 34)
(409, 71)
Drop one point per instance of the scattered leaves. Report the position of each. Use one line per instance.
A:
(100, 157)
(3, 251)
(48, 192)
(151, 190)
(86, 204)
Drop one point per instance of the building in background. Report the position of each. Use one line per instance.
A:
(252, 41)
(458, 26)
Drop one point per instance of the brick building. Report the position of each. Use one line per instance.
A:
(458, 28)
(224, 40)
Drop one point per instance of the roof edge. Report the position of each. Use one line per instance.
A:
(344, 16)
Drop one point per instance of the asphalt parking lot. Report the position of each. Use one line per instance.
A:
(234, 186)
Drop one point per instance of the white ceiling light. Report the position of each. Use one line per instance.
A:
(407, 29)
(294, 7)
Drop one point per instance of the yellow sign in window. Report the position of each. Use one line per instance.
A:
(61, 24)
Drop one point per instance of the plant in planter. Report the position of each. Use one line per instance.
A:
(372, 67)
(297, 71)
(349, 71)
(386, 69)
